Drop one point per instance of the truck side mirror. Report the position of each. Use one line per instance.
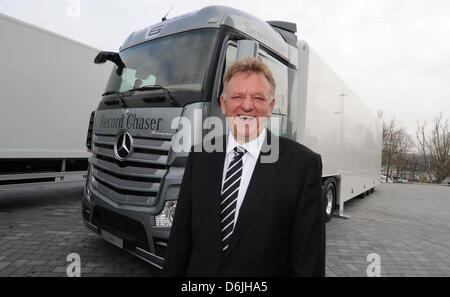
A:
(103, 56)
(246, 49)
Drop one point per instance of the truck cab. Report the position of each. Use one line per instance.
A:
(168, 70)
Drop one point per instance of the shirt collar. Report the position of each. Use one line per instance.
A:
(252, 147)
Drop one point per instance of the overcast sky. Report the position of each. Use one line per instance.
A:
(394, 54)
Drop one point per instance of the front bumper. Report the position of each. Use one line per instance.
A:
(129, 228)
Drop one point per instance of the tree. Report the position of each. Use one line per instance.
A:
(404, 143)
(390, 145)
(414, 163)
(435, 148)
(396, 148)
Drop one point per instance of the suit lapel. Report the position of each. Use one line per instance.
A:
(213, 165)
(261, 181)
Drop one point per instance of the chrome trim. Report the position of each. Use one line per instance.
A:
(149, 257)
(140, 172)
(124, 142)
(137, 186)
(135, 157)
(161, 243)
(138, 142)
(110, 195)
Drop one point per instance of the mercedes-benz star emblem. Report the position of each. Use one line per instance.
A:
(123, 146)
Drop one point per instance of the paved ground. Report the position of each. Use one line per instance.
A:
(406, 225)
(40, 227)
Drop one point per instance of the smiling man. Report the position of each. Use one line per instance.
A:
(248, 99)
(238, 216)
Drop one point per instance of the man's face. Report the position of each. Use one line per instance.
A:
(247, 105)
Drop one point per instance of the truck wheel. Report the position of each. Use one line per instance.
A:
(329, 198)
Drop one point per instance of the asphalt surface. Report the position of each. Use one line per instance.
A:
(402, 228)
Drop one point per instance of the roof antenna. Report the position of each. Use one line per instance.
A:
(165, 17)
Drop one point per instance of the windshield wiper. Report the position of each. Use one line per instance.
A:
(157, 87)
(149, 88)
(119, 95)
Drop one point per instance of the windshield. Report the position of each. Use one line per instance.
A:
(177, 62)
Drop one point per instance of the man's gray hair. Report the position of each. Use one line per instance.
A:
(249, 65)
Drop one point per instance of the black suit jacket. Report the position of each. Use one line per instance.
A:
(280, 230)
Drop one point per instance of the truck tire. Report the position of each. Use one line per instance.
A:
(329, 198)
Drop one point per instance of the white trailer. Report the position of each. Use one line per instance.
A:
(334, 122)
(49, 86)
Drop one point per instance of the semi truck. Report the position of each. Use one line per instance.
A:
(173, 70)
(49, 86)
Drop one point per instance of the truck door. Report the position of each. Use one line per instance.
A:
(228, 56)
(247, 48)
(280, 74)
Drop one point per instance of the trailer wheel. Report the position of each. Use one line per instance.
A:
(329, 198)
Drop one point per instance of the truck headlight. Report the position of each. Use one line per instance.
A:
(165, 218)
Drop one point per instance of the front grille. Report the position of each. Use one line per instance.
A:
(131, 231)
(135, 181)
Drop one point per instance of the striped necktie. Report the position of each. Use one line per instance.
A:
(230, 190)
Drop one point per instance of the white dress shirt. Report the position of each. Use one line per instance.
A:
(253, 148)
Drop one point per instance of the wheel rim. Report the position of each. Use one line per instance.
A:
(330, 199)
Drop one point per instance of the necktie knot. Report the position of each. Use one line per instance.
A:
(239, 151)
